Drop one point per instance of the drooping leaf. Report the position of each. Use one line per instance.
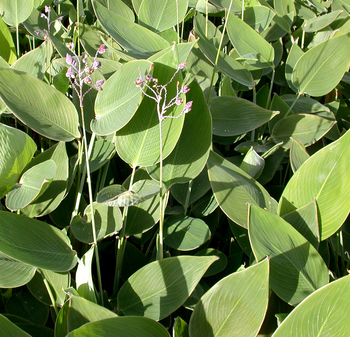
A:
(246, 40)
(236, 303)
(234, 116)
(297, 155)
(294, 55)
(297, 269)
(41, 107)
(121, 327)
(30, 185)
(320, 313)
(16, 11)
(233, 189)
(159, 16)
(165, 285)
(252, 163)
(114, 108)
(320, 22)
(137, 40)
(35, 243)
(321, 68)
(16, 150)
(324, 177)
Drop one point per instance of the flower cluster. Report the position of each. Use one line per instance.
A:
(79, 71)
(46, 16)
(159, 91)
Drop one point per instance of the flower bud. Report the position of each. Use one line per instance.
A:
(182, 65)
(185, 89)
(84, 59)
(70, 73)
(88, 80)
(71, 46)
(139, 81)
(89, 70)
(188, 107)
(101, 49)
(47, 9)
(96, 64)
(100, 82)
(179, 101)
(149, 78)
(42, 15)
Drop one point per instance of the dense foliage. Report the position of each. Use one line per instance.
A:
(174, 167)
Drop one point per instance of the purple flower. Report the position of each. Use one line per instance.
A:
(149, 78)
(100, 82)
(60, 18)
(182, 65)
(47, 9)
(101, 49)
(96, 64)
(188, 107)
(42, 15)
(84, 59)
(185, 89)
(139, 81)
(89, 70)
(88, 80)
(70, 73)
(71, 45)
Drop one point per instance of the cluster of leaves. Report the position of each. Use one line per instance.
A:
(174, 167)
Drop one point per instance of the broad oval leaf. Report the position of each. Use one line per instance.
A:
(322, 67)
(114, 108)
(324, 177)
(38, 105)
(16, 151)
(159, 16)
(233, 189)
(160, 287)
(320, 22)
(185, 233)
(30, 185)
(137, 40)
(121, 327)
(304, 128)
(234, 116)
(9, 329)
(7, 47)
(16, 11)
(297, 155)
(14, 273)
(35, 243)
(320, 314)
(236, 303)
(191, 152)
(246, 40)
(297, 269)
(108, 221)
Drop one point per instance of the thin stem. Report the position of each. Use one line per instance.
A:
(17, 41)
(121, 244)
(271, 86)
(218, 52)
(177, 21)
(291, 107)
(49, 291)
(188, 195)
(242, 16)
(161, 212)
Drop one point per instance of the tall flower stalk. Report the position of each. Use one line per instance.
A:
(159, 93)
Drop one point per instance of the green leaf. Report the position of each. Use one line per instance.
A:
(14, 273)
(78, 311)
(258, 17)
(30, 185)
(297, 269)
(233, 189)
(252, 163)
(16, 151)
(185, 233)
(108, 221)
(304, 128)
(137, 40)
(102, 152)
(191, 152)
(218, 266)
(236, 303)
(83, 278)
(230, 115)
(228, 65)
(320, 22)
(55, 192)
(35, 243)
(8, 329)
(160, 287)
(121, 327)
(159, 16)
(34, 62)
(7, 47)
(16, 11)
(321, 68)
(137, 143)
(324, 177)
(120, 7)
(246, 40)
(297, 155)
(114, 108)
(294, 55)
(320, 314)
(117, 196)
(38, 105)
(180, 328)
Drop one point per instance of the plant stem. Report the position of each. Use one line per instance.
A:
(161, 211)
(17, 41)
(49, 291)
(121, 244)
